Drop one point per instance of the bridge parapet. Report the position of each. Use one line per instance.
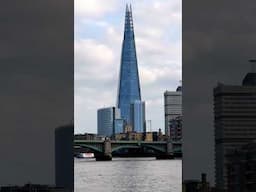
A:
(104, 149)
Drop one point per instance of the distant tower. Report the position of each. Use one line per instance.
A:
(129, 84)
(172, 107)
(138, 116)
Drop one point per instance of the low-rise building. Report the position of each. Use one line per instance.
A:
(86, 136)
(130, 136)
(148, 136)
(120, 136)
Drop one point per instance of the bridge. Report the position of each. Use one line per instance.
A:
(103, 150)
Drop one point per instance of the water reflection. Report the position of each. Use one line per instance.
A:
(128, 175)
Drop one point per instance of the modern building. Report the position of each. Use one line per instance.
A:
(235, 122)
(175, 128)
(119, 126)
(172, 107)
(241, 169)
(137, 117)
(106, 120)
(129, 84)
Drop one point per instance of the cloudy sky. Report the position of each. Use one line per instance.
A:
(98, 37)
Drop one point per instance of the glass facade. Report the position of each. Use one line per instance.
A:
(129, 85)
(138, 116)
(119, 126)
(106, 118)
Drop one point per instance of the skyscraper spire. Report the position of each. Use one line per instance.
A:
(127, 9)
(128, 19)
(129, 85)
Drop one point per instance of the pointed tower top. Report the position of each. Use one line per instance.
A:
(127, 8)
(128, 18)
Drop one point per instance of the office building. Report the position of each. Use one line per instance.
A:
(235, 122)
(175, 127)
(241, 169)
(138, 120)
(129, 84)
(119, 126)
(172, 107)
(106, 120)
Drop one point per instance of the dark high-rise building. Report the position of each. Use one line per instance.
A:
(129, 85)
(241, 169)
(64, 158)
(235, 122)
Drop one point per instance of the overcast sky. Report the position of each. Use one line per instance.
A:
(98, 37)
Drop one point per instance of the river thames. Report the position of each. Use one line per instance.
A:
(128, 175)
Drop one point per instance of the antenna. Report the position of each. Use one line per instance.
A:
(252, 61)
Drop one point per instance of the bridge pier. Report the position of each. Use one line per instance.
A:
(107, 154)
(169, 152)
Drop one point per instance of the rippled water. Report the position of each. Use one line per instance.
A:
(128, 175)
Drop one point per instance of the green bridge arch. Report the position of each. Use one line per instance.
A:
(157, 149)
(125, 147)
(93, 148)
(154, 148)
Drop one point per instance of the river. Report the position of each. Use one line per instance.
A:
(128, 175)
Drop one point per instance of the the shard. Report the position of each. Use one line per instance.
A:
(129, 84)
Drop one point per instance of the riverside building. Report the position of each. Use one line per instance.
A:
(235, 122)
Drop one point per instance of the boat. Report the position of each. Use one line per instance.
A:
(85, 155)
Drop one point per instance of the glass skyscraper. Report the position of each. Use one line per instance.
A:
(119, 126)
(106, 120)
(138, 116)
(129, 85)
